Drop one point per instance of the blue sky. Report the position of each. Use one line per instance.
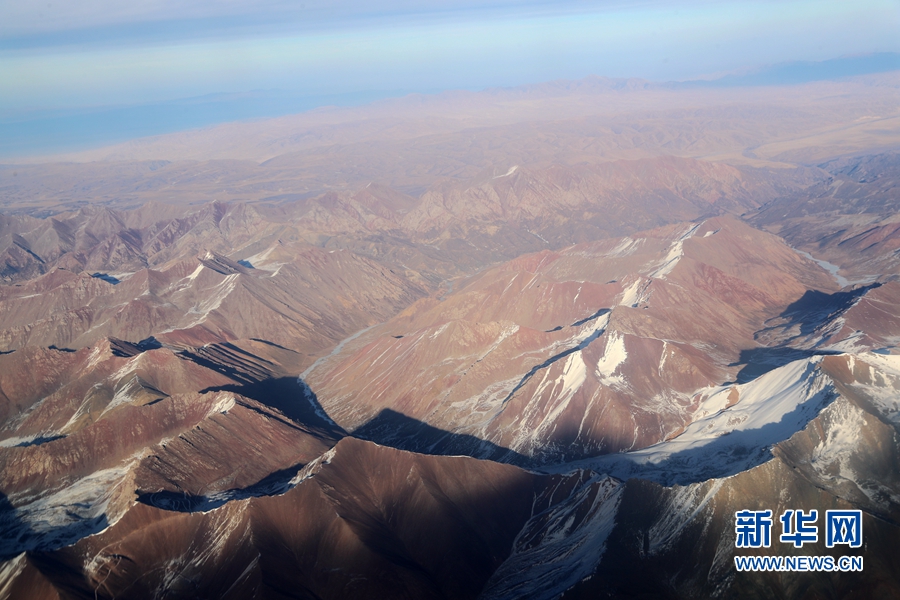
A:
(74, 56)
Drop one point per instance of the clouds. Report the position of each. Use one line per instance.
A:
(42, 16)
(29, 18)
(111, 52)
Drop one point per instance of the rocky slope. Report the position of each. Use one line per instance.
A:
(594, 349)
(432, 526)
(268, 400)
(376, 522)
(844, 458)
(500, 215)
(297, 296)
(115, 419)
(849, 219)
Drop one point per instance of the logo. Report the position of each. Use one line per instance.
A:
(843, 527)
(799, 528)
(753, 528)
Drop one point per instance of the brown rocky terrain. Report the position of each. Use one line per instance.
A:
(306, 301)
(844, 458)
(593, 349)
(849, 219)
(502, 215)
(243, 362)
(432, 526)
(235, 271)
(196, 422)
(429, 526)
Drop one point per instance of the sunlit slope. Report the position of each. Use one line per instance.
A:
(593, 349)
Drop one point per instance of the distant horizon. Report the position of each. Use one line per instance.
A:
(87, 74)
(39, 133)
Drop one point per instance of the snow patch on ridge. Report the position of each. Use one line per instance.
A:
(312, 468)
(124, 395)
(850, 344)
(552, 395)
(223, 405)
(95, 357)
(560, 390)
(613, 357)
(888, 363)
(883, 376)
(771, 409)
(260, 261)
(505, 332)
(676, 251)
(635, 293)
(512, 170)
(631, 294)
(196, 273)
(215, 301)
(8, 572)
(682, 507)
(624, 248)
(834, 452)
(574, 374)
(65, 516)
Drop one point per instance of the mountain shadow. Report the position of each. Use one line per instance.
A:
(257, 378)
(17, 535)
(759, 361)
(13, 531)
(810, 312)
(815, 308)
(396, 430)
(291, 396)
(243, 371)
(273, 484)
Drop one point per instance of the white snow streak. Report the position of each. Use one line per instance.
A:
(613, 357)
(632, 294)
(512, 170)
(559, 547)
(676, 251)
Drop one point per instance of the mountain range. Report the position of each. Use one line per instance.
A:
(505, 355)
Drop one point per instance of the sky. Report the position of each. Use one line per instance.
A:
(136, 62)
